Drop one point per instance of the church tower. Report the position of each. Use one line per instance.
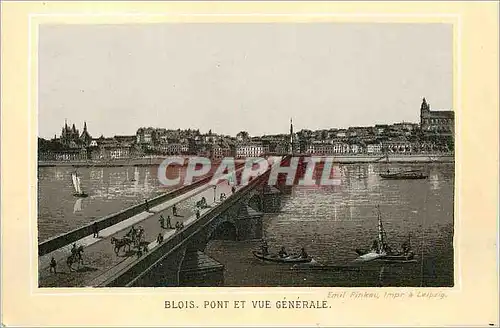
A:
(425, 110)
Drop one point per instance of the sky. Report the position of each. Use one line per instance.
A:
(240, 77)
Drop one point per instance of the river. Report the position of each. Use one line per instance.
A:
(329, 221)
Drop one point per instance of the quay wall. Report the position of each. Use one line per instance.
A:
(155, 161)
(112, 219)
(347, 158)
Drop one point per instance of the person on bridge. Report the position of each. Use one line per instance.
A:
(95, 230)
(146, 205)
(53, 265)
(73, 249)
(233, 189)
(162, 221)
(197, 214)
(174, 210)
(169, 222)
(159, 239)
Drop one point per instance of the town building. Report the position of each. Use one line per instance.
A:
(249, 149)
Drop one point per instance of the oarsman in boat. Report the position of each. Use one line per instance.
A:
(282, 252)
(95, 230)
(303, 253)
(405, 248)
(375, 246)
(53, 265)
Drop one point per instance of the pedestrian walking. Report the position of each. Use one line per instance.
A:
(53, 265)
(159, 239)
(174, 210)
(95, 230)
(197, 214)
(146, 205)
(169, 222)
(162, 221)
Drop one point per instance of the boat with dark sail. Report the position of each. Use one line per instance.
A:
(381, 251)
(77, 185)
(401, 175)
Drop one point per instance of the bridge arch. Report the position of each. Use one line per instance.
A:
(225, 230)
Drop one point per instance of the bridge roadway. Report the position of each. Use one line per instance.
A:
(99, 256)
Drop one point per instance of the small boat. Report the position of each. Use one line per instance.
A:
(404, 175)
(382, 252)
(401, 175)
(78, 186)
(278, 259)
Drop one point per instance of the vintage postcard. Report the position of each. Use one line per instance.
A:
(186, 164)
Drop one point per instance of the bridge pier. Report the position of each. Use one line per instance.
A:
(248, 223)
(200, 270)
(272, 200)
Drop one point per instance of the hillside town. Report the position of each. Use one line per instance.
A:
(434, 133)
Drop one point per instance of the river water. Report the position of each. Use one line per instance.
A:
(329, 221)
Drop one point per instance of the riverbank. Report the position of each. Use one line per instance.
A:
(342, 159)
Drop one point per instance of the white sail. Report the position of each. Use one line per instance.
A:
(76, 183)
(79, 185)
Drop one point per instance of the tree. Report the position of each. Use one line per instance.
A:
(243, 135)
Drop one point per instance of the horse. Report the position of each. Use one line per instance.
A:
(201, 203)
(75, 257)
(119, 243)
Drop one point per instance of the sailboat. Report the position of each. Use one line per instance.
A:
(77, 185)
(381, 250)
(401, 175)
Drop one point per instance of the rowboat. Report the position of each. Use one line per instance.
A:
(382, 252)
(278, 259)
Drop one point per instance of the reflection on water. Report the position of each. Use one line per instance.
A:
(332, 221)
(78, 205)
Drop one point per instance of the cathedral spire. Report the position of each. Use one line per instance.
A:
(84, 125)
